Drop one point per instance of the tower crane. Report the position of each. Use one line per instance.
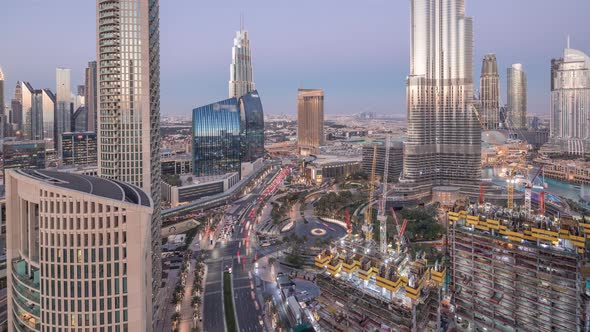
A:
(511, 181)
(400, 230)
(348, 225)
(368, 227)
(381, 216)
(528, 192)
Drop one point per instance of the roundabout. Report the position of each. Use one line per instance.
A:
(318, 232)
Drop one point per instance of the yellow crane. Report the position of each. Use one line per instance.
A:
(511, 181)
(368, 228)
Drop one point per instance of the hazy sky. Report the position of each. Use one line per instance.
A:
(356, 50)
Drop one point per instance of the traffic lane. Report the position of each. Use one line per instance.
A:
(246, 310)
(213, 304)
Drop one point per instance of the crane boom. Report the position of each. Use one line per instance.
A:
(382, 218)
(368, 228)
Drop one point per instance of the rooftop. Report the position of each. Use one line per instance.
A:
(91, 185)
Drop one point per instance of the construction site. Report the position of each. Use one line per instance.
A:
(517, 271)
(371, 285)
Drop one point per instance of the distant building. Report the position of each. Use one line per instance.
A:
(79, 148)
(2, 104)
(43, 117)
(80, 119)
(90, 99)
(517, 97)
(177, 165)
(310, 121)
(192, 188)
(63, 113)
(490, 93)
(79, 253)
(241, 81)
(24, 92)
(396, 160)
(570, 96)
(23, 154)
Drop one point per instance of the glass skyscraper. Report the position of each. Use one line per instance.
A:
(241, 81)
(216, 138)
(226, 134)
(252, 127)
(517, 97)
(443, 144)
(64, 99)
(128, 56)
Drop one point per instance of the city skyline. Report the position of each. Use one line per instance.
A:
(374, 58)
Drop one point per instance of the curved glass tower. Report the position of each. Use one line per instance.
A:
(216, 138)
(444, 137)
(252, 127)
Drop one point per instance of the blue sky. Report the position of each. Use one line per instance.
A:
(356, 50)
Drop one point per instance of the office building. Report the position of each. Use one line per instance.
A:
(79, 251)
(252, 127)
(241, 82)
(2, 104)
(190, 188)
(396, 160)
(443, 144)
(128, 50)
(80, 119)
(489, 94)
(310, 121)
(79, 148)
(24, 95)
(216, 138)
(517, 97)
(43, 117)
(5, 117)
(23, 154)
(570, 96)
(63, 113)
(518, 274)
(90, 91)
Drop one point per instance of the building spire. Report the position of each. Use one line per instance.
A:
(568, 40)
(242, 22)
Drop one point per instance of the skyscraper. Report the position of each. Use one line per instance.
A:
(570, 95)
(90, 95)
(216, 138)
(251, 127)
(17, 108)
(4, 114)
(310, 121)
(443, 144)
(240, 81)
(64, 99)
(2, 104)
(490, 93)
(128, 47)
(517, 98)
(24, 92)
(43, 111)
(78, 249)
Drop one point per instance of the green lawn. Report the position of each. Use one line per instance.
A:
(230, 318)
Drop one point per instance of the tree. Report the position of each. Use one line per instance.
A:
(272, 261)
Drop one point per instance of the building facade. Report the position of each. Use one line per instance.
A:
(241, 81)
(489, 93)
(2, 103)
(310, 121)
(129, 102)
(91, 94)
(517, 97)
(570, 96)
(79, 252)
(443, 144)
(252, 127)
(80, 119)
(43, 117)
(63, 113)
(79, 148)
(217, 138)
(24, 92)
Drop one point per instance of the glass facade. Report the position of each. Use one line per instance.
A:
(252, 127)
(216, 138)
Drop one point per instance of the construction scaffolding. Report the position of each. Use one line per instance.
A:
(362, 288)
(517, 273)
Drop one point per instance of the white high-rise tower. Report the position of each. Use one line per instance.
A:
(240, 81)
(128, 94)
(444, 137)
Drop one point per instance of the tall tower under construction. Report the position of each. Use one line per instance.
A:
(443, 144)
